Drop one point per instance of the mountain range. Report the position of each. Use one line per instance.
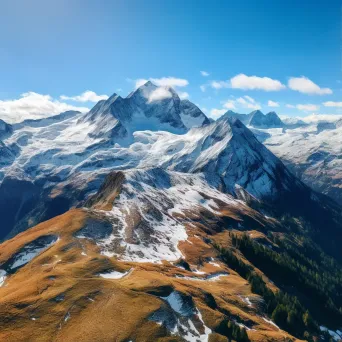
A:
(310, 150)
(142, 220)
(257, 119)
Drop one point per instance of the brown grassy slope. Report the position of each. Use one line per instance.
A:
(98, 309)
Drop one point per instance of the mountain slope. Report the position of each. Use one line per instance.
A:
(49, 154)
(312, 153)
(5, 129)
(59, 162)
(146, 260)
(73, 164)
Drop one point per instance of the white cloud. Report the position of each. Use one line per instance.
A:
(216, 113)
(170, 82)
(203, 87)
(307, 107)
(220, 84)
(183, 95)
(87, 96)
(332, 104)
(139, 82)
(163, 82)
(271, 103)
(250, 99)
(159, 94)
(313, 118)
(248, 102)
(242, 102)
(32, 105)
(229, 104)
(242, 81)
(204, 73)
(306, 86)
(290, 106)
(245, 82)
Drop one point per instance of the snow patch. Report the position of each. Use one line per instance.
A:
(182, 318)
(210, 277)
(114, 274)
(3, 277)
(212, 262)
(336, 335)
(246, 300)
(67, 317)
(270, 322)
(28, 252)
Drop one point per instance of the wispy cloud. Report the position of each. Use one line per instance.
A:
(203, 87)
(216, 113)
(290, 106)
(271, 103)
(204, 73)
(332, 104)
(246, 102)
(183, 95)
(139, 82)
(306, 86)
(220, 84)
(87, 96)
(159, 94)
(307, 107)
(32, 105)
(230, 104)
(313, 118)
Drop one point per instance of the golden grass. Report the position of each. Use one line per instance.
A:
(115, 310)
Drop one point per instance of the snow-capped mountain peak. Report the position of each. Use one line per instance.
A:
(149, 107)
(256, 119)
(269, 120)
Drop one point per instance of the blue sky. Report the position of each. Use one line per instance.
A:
(54, 48)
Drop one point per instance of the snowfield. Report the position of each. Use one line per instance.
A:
(313, 152)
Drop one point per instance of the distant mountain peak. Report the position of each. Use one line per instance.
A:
(256, 119)
(148, 84)
(111, 98)
(269, 120)
(256, 112)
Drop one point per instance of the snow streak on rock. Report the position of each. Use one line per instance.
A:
(149, 215)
